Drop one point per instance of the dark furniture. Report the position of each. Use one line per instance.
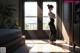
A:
(11, 39)
(76, 25)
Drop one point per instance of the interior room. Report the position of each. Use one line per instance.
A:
(25, 26)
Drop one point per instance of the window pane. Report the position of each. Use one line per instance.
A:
(45, 14)
(30, 15)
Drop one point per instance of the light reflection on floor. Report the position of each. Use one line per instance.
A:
(42, 46)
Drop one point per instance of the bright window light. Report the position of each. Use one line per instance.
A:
(45, 14)
(30, 9)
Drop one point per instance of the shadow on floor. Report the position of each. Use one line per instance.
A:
(22, 49)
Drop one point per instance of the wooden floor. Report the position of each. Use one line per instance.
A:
(43, 46)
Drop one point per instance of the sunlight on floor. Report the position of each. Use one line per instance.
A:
(43, 46)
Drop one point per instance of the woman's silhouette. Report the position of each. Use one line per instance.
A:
(51, 24)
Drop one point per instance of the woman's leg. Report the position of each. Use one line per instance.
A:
(53, 32)
(50, 36)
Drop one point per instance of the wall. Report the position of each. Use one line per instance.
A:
(67, 23)
(16, 2)
(59, 19)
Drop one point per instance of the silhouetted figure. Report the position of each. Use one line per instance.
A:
(51, 24)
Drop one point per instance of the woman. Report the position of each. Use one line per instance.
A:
(51, 24)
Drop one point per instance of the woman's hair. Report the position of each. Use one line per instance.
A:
(49, 6)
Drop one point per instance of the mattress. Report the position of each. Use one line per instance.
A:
(7, 35)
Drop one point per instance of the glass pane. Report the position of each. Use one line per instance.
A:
(30, 15)
(45, 14)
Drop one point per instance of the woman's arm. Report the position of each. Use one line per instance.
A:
(52, 15)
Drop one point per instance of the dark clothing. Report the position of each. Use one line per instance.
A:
(52, 29)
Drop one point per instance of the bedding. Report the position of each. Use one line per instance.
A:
(7, 35)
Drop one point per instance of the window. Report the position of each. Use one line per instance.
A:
(45, 14)
(30, 11)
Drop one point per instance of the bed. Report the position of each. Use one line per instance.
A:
(7, 35)
(11, 39)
